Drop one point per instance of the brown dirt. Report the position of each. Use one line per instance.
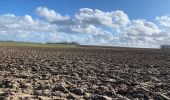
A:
(90, 73)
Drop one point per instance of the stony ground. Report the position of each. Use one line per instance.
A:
(89, 73)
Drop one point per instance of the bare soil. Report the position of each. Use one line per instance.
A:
(86, 73)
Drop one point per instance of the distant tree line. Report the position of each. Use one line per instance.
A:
(64, 43)
(165, 46)
(7, 41)
(61, 43)
(19, 41)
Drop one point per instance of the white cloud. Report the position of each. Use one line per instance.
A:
(75, 25)
(23, 28)
(87, 26)
(51, 15)
(164, 21)
(142, 33)
(112, 19)
(10, 22)
(164, 24)
(142, 28)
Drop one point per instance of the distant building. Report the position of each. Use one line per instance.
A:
(165, 46)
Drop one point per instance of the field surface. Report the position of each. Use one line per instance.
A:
(90, 73)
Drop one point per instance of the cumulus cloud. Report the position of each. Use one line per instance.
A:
(23, 28)
(142, 28)
(76, 25)
(51, 15)
(164, 24)
(86, 26)
(10, 22)
(142, 33)
(164, 21)
(112, 19)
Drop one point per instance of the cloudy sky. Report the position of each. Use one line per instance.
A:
(132, 23)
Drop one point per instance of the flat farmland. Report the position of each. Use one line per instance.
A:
(89, 73)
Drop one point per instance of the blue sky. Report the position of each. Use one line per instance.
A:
(137, 23)
(147, 9)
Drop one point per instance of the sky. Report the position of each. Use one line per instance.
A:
(130, 23)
